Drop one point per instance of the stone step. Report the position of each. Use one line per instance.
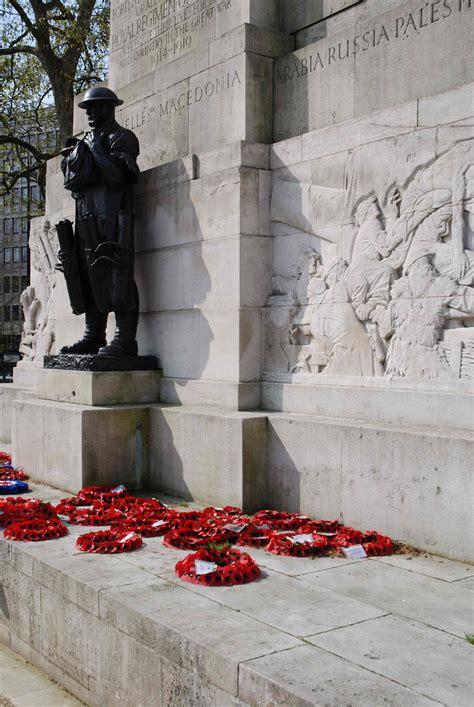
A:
(23, 685)
(121, 630)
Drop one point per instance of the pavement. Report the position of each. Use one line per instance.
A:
(23, 685)
(326, 631)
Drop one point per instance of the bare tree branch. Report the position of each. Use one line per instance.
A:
(21, 12)
(45, 50)
(19, 49)
(13, 140)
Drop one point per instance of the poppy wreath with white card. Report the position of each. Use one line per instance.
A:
(298, 544)
(280, 520)
(66, 506)
(373, 543)
(138, 504)
(102, 493)
(253, 535)
(186, 519)
(14, 510)
(221, 512)
(109, 541)
(148, 527)
(191, 538)
(214, 567)
(96, 514)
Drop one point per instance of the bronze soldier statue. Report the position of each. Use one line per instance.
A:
(97, 257)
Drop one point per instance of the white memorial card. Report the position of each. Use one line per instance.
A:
(127, 537)
(354, 552)
(302, 538)
(235, 527)
(202, 567)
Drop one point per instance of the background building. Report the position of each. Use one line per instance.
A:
(17, 207)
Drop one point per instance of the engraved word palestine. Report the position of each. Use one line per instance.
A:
(401, 28)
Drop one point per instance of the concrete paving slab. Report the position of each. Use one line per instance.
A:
(47, 493)
(295, 566)
(401, 592)
(154, 558)
(45, 698)
(24, 554)
(23, 684)
(431, 566)
(191, 630)
(285, 604)
(15, 678)
(81, 577)
(408, 653)
(466, 583)
(307, 676)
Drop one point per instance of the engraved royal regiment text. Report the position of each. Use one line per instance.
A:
(160, 31)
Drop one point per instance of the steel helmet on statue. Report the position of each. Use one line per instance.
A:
(99, 93)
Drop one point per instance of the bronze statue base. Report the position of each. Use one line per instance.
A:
(93, 362)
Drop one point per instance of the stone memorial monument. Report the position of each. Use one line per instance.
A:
(304, 256)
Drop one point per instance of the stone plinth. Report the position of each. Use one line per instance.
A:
(69, 446)
(26, 374)
(8, 393)
(86, 427)
(98, 388)
(397, 402)
(214, 455)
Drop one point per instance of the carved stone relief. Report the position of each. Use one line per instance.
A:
(38, 301)
(402, 304)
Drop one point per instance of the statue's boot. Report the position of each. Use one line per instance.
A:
(124, 342)
(94, 336)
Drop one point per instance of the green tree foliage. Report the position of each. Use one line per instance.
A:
(49, 51)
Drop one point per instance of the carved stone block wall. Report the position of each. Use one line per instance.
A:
(193, 75)
(372, 56)
(365, 222)
(203, 269)
(305, 14)
(373, 225)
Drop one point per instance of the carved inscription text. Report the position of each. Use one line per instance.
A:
(158, 31)
(399, 28)
(178, 103)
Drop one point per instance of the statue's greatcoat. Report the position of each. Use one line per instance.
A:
(101, 180)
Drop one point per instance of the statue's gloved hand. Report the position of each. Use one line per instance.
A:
(92, 139)
(108, 252)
